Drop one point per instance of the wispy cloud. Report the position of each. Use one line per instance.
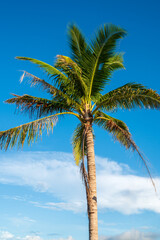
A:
(13, 197)
(30, 238)
(68, 238)
(133, 235)
(56, 173)
(20, 221)
(39, 238)
(69, 206)
(4, 235)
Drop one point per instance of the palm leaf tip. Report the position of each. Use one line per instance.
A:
(77, 43)
(106, 39)
(29, 131)
(22, 58)
(115, 62)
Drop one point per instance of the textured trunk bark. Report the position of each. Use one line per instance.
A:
(92, 201)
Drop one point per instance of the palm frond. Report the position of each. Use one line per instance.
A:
(39, 107)
(113, 63)
(74, 73)
(117, 128)
(55, 92)
(77, 43)
(36, 81)
(77, 143)
(44, 66)
(62, 81)
(129, 96)
(29, 131)
(103, 47)
(59, 78)
(120, 132)
(105, 71)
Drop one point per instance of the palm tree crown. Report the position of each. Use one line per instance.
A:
(75, 87)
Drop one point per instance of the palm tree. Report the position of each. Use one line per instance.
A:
(75, 86)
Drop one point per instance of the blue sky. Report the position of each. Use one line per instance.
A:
(41, 194)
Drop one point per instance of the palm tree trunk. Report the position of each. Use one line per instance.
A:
(92, 200)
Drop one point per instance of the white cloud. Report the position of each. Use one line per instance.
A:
(127, 193)
(32, 238)
(4, 235)
(69, 238)
(133, 235)
(57, 173)
(39, 238)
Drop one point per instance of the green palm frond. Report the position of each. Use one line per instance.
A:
(105, 72)
(77, 43)
(59, 78)
(30, 131)
(74, 73)
(39, 107)
(55, 92)
(105, 41)
(66, 63)
(77, 143)
(103, 47)
(113, 63)
(129, 96)
(63, 82)
(120, 132)
(44, 66)
(117, 128)
(35, 81)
